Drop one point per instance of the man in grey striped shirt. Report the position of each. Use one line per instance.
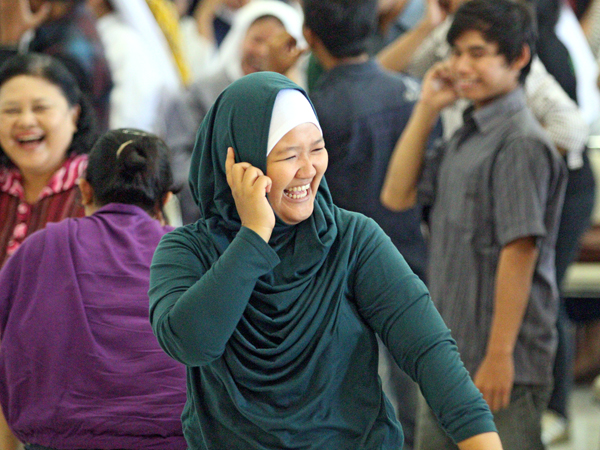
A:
(495, 190)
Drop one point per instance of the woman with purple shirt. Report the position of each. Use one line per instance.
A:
(79, 365)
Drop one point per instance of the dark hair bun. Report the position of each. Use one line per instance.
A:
(130, 166)
(132, 158)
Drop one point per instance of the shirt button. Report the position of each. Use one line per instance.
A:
(23, 208)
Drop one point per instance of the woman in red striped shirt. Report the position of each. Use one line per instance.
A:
(46, 129)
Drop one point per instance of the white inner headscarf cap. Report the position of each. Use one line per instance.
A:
(291, 109)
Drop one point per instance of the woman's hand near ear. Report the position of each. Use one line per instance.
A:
(249, 187)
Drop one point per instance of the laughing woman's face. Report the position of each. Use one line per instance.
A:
(37, 124)
(296, 166)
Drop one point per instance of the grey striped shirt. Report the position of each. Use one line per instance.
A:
(499, 178)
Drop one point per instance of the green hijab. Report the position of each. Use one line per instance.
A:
(300, 369)
(240, 118)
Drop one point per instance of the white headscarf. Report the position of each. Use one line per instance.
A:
(290, 109)
(229, 56)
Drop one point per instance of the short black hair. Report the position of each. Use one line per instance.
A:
(344, 26)
(130, 166)
(510, 24)
(54, 71)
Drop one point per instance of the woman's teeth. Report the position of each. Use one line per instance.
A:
(297, 192)
(29, 139)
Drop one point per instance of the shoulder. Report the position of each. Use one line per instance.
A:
(54, 235)
(191, 241)
(357, 229)
(524, 131)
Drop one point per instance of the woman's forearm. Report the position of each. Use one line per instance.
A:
(483, 441)
(399, 190)
(8, 441)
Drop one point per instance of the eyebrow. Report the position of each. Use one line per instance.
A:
(470, 47)
(297, 147)
(18, 102)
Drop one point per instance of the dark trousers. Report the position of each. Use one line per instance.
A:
(575, 220)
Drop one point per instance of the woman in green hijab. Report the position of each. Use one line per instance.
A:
(273, 299)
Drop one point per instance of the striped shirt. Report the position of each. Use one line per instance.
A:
(498, 179)
(58, 200)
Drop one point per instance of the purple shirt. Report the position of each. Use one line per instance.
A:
(79, 364)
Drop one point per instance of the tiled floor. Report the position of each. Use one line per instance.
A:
(585, 425)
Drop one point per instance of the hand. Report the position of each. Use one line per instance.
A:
(438, 90)
(388, 11)
(436, 12)
(16, 20)
(249, 187)
(235, 4)
(495, 378)
(283, 52)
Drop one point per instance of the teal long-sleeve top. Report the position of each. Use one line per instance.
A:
(300, 371)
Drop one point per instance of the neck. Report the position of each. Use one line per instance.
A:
(328, 61)
(33, 185)
(90, 209)
(487, 101)
(59, 10)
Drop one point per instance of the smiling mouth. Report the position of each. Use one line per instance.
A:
(30, 140)
(297, 192)
(466, 84)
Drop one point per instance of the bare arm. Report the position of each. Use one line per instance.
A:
(554, 110)
(495, 376)
(8, 441)
(388, 11)
(483, 441)
(398, 54)
(16, 19)
(399, 190)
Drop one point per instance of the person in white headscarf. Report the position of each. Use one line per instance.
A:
(143, 72)
(265, 35)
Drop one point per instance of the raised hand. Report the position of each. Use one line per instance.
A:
(437, 90)
(436, 11)
(249, 187)
(283, 52)
(16, 18)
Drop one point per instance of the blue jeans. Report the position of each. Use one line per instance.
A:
(518, 425)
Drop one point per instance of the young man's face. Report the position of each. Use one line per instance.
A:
(479, 73)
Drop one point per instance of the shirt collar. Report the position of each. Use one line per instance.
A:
(489, 116)
(62, 180)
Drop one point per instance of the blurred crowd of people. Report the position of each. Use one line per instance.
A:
(486, 194)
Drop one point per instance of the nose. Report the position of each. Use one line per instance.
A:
(307, 168)
(462, 63)
(26, 118)
(261, 49)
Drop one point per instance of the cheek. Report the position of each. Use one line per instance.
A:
(5, 127)
(59, 132)
(247, 50)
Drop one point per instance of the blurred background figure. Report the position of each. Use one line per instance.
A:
(265, 35)
(204, 25)
(46, 128)
(143, 70)
(65, 29)
(167, 17)
(80, 365)
(564, 51)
